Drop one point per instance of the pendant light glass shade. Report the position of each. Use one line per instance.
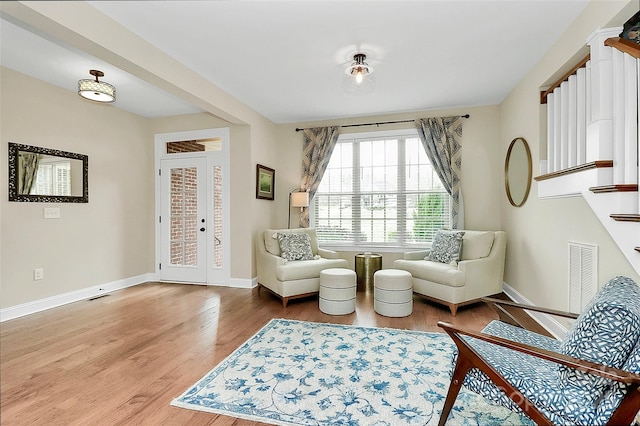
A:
(359, 68)
(95, 90)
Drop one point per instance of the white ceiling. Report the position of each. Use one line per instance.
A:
(286, 59)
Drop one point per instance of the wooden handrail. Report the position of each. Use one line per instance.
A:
(575, 169)
(624, 45)
(534, 308)
(625, 217)
(544, 94)
(624, 187)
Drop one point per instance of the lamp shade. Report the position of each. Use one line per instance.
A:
(95, 90)
(300, 199)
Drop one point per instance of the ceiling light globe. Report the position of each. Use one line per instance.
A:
(359, 68)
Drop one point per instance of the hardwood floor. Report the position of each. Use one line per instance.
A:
(121, 359)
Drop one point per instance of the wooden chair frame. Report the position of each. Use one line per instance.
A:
(469, 358)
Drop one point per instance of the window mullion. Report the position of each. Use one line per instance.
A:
(356, 212)
(401, 197)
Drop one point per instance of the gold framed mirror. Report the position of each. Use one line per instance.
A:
(518, 172)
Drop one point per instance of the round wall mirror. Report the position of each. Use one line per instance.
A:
(517, 172)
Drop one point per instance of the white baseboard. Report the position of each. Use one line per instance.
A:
(547, 321)
(243, 283)
(231, 282)
(23, 309)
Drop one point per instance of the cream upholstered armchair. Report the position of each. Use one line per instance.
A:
(444, 279)
(295, 271)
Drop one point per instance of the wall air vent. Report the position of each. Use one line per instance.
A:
(583, 274)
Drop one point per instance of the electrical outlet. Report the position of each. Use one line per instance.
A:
(38, 274)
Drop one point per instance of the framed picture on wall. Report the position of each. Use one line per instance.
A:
(265, 182)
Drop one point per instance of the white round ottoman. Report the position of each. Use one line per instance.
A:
(393, 293)
(337, 291)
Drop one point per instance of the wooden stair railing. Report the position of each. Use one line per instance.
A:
(627, 187)
(625, 217)
(575, 169)
(545, 93)
(630, 48)
(624, 45)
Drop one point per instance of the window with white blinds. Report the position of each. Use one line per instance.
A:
(53, 178)
(380, 189)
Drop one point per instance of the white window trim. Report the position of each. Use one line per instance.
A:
(377, 247)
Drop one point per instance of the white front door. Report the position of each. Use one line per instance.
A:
(183, 220)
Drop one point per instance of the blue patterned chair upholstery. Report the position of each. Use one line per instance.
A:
(592, 377)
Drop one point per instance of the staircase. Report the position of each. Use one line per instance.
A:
(592, 137)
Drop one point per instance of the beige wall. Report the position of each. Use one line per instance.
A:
(481, 162)
(261, 214)
(119, 46)
(112, 237)
(108, 239)
(538, 232)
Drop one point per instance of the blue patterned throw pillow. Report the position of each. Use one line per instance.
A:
(446, 246)
(295, 246)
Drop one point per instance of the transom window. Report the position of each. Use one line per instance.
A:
(380, 189)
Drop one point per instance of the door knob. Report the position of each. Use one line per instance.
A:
(202, 229)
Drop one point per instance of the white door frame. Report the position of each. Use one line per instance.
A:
(220, 158)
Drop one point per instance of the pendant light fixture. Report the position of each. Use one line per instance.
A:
(359, 68)
(95, 90)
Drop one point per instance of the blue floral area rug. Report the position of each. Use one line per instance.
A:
(304, 373)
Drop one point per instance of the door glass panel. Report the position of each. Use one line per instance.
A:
(217, 216)
(184, 220)
(199, 145)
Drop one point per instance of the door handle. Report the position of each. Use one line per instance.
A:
(201, 229)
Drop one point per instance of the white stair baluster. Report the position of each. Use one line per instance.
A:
(581, 116)
(618, 102)
(550, 132)
(571, 124)
(631, 119)
(564, 130)
(557, 120)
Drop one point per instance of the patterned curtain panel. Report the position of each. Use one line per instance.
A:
(27, 171)
(316, 153)
(441, 138)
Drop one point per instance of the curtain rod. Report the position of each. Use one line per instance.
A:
(377, 124)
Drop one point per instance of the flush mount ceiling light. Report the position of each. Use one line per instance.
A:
(359, 68)
(95, 90)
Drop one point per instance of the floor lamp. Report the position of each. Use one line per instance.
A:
(297, 198)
